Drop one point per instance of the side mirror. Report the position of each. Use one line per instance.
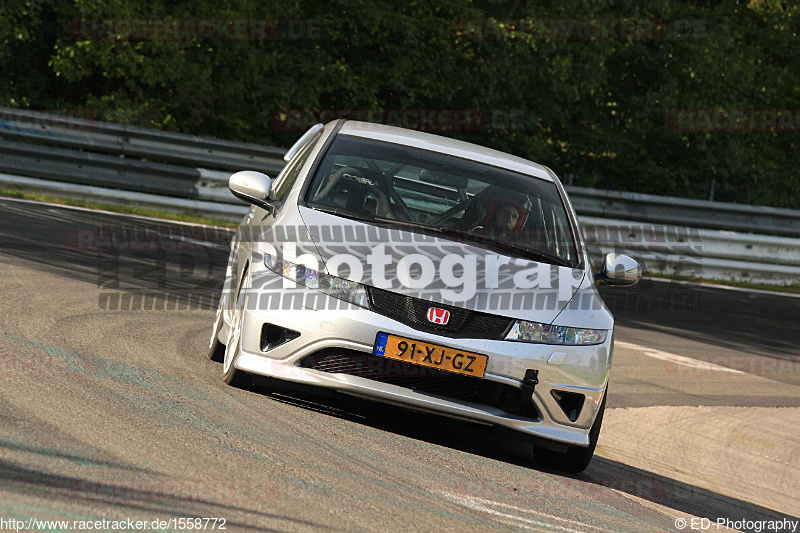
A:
(252, 187)
(619, 271)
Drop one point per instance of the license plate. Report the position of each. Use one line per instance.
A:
(430, 355)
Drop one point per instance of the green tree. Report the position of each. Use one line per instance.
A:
(597, 108)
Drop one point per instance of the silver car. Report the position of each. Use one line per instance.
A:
(421, 271)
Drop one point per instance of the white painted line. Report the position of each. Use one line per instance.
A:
(127, 215)
(677, 359)
(726, 287)
(479, 504)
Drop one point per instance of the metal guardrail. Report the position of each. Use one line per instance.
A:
(133, 142)
(88, 168)
(112, 155)
(215, 209)
(693, 252)
(116, 163)
(685, 211)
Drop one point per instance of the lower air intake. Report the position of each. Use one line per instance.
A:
(447, 385)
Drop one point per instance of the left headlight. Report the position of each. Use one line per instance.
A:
(340, 288)
(525, 331)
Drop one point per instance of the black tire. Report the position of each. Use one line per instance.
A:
(238, 378)
(576, 458)
(233, 376)
(216, 348)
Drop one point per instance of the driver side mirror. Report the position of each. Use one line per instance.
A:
(254, 188)
(619, 271)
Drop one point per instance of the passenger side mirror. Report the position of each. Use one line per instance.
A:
(619, 271)
(252, 187)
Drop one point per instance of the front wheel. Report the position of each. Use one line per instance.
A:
(576, 458)
(230, 373)
(216, 350)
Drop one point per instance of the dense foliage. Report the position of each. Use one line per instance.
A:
(601, 105)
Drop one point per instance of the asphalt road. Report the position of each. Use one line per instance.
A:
(109, 408)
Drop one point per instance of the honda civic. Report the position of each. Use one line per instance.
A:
(408, 268)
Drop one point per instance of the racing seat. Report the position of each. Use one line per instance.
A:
(353, 192)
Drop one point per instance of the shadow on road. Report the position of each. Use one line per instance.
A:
(151, 496)
(596, 483)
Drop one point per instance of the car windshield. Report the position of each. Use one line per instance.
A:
(402, 186)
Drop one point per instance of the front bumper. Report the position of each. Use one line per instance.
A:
(324, 323)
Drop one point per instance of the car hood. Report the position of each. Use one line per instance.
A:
(440, 270)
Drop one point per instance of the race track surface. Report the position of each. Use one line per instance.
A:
(110, 409)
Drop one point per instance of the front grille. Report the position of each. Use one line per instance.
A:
(413, 312)
(447, 385)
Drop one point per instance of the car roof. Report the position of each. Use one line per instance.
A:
(444, 145)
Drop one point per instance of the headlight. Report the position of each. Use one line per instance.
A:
(542, 333)
(349, 291)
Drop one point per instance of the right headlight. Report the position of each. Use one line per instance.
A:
(525, 331)
(340, 288)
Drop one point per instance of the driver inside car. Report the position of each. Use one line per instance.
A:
(505, 217)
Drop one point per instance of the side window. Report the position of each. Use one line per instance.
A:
(283, 183)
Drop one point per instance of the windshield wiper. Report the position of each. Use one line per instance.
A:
(527, 253)
(415, 225)
(380, 220)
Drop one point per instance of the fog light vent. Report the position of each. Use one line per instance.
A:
(273, 336)
(570, 402)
